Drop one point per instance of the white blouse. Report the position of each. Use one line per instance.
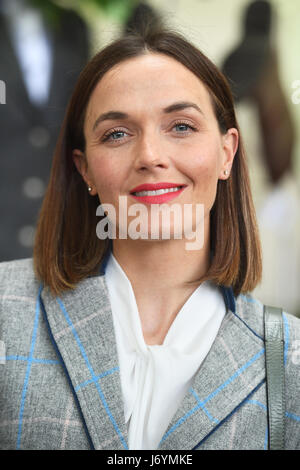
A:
(154, 379)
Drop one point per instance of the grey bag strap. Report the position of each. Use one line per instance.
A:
(274, 353)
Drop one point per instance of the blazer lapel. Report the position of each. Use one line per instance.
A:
(232, 370)
(81, 326)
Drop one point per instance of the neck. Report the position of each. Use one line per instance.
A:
(161, 264)
(158, 271)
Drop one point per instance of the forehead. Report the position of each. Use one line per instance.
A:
(144, 83)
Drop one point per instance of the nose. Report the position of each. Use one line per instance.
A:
(150, 152)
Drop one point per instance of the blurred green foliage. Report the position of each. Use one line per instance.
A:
(118, 10)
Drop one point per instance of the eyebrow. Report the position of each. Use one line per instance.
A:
(114, 115)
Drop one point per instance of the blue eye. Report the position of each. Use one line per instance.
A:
(177, 124)
(112, 133)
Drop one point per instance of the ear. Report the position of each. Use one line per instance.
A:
(230, 142)
(81, 164)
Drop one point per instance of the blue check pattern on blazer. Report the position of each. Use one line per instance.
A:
(60, 380)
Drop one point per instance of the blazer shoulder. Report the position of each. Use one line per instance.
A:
(18, 276)
(251, 311)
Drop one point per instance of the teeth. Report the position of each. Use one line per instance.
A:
(158, 192)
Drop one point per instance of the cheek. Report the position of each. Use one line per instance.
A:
(108, 179)
(203, 171)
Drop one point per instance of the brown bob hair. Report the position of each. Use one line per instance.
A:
(67, 249)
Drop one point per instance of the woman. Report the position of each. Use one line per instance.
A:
(142, 342)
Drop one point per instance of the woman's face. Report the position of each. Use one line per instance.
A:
(151, 142)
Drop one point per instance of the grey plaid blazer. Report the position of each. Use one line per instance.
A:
(60, 384)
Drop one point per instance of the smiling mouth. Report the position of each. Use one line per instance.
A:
(157, 192)
(158, 196)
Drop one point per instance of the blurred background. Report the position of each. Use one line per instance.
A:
(43, 47)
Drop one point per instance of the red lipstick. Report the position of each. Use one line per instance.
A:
(157, 198)
(154, 186)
